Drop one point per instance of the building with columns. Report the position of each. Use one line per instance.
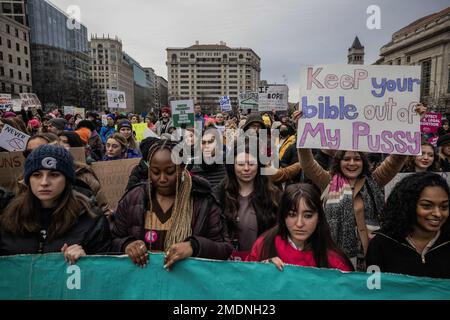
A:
(425, 43)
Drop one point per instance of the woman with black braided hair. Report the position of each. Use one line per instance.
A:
(415, 235)
(174, 213)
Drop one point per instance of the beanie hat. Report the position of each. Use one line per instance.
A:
(124, 124)
(112, 116)
(34, 123)
(49, 157)
(145, 146)
(443, 140)
(253, 118)
(86, 124)
(58, 123)
(167, 110)
(84, 134)
(8, 114)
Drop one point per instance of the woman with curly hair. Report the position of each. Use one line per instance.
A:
(427, 161)
(248, 199)
(415, 235)
(302, 236)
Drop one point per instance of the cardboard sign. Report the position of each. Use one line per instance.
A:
(78, 154)
(388, 188)
(248, 101)
(113, 176)
(360, 108)
(273, 97)
(30, 100)
(12, 139)
(225, 104)
(5, 101)
(116, 99)
(11, 168)
(183, 113)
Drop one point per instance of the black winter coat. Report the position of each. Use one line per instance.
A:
(395, 256)
(138, 175)
(92, 234)
(208, 228)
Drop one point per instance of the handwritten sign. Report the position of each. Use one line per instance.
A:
(12, 139)
(360, 108)
(248, 101)
(11, 168)
(183, 113)
(113, 176)
(5, 101)
(430, 125)
(225, 104)
(273, 97)
(116, 99)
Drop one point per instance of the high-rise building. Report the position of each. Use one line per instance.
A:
(15, 63)
(356, 53)
(163, 91)
(143, 86)
(110, 70)
(59, 56)
(204, 72)
(425, 43)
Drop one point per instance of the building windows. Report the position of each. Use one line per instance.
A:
(1, 56)
(17, 47)
(11, 73)
(20, 75)
(426, 75)
(2, 71)
(25, 49)
(8, 30)
(26, 63)
(10, 58)
(18, 61)
(9, 43)
(408, 59)
(25, 36)
(28, 77)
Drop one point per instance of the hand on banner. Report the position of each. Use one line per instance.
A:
(276, 261)
(72, 253)
(176, 252)
(421, 110)
(137, 251)
(296, 116)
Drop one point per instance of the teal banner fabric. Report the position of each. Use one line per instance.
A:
(32, 277)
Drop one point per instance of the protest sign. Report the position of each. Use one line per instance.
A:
(183, 113)
(78, 154)
(12, 139)
(104, 120)
(225, 104)
(430, 125)
(139, 129)
(113, 176)
(388, 188)
(11, 168)
(248, 101)
(116, 99)
(30, 100)
(273, 97)
(49, 276)
(5, 101)
(360, 108)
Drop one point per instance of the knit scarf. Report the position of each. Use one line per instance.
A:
(340, 215)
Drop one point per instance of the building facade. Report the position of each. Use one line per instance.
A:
(15, 60)
(206, 72)
(356, 53)
(425, 43)
(163, 92)
(110, 71)
(14, 9)
(59, 56)
(144, 89)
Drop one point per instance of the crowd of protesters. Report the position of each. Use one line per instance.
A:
(318, 208)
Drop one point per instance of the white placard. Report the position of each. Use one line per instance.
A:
(12, 139)
(116, 99)
(273, 97)
(225, 104)
(5, 101)
(360, 108)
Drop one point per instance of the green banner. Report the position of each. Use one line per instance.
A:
(115, 277)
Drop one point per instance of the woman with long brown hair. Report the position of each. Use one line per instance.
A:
(50, 216)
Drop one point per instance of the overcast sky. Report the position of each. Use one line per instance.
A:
(284, 33)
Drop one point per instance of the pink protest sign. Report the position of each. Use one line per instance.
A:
(431, 123)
